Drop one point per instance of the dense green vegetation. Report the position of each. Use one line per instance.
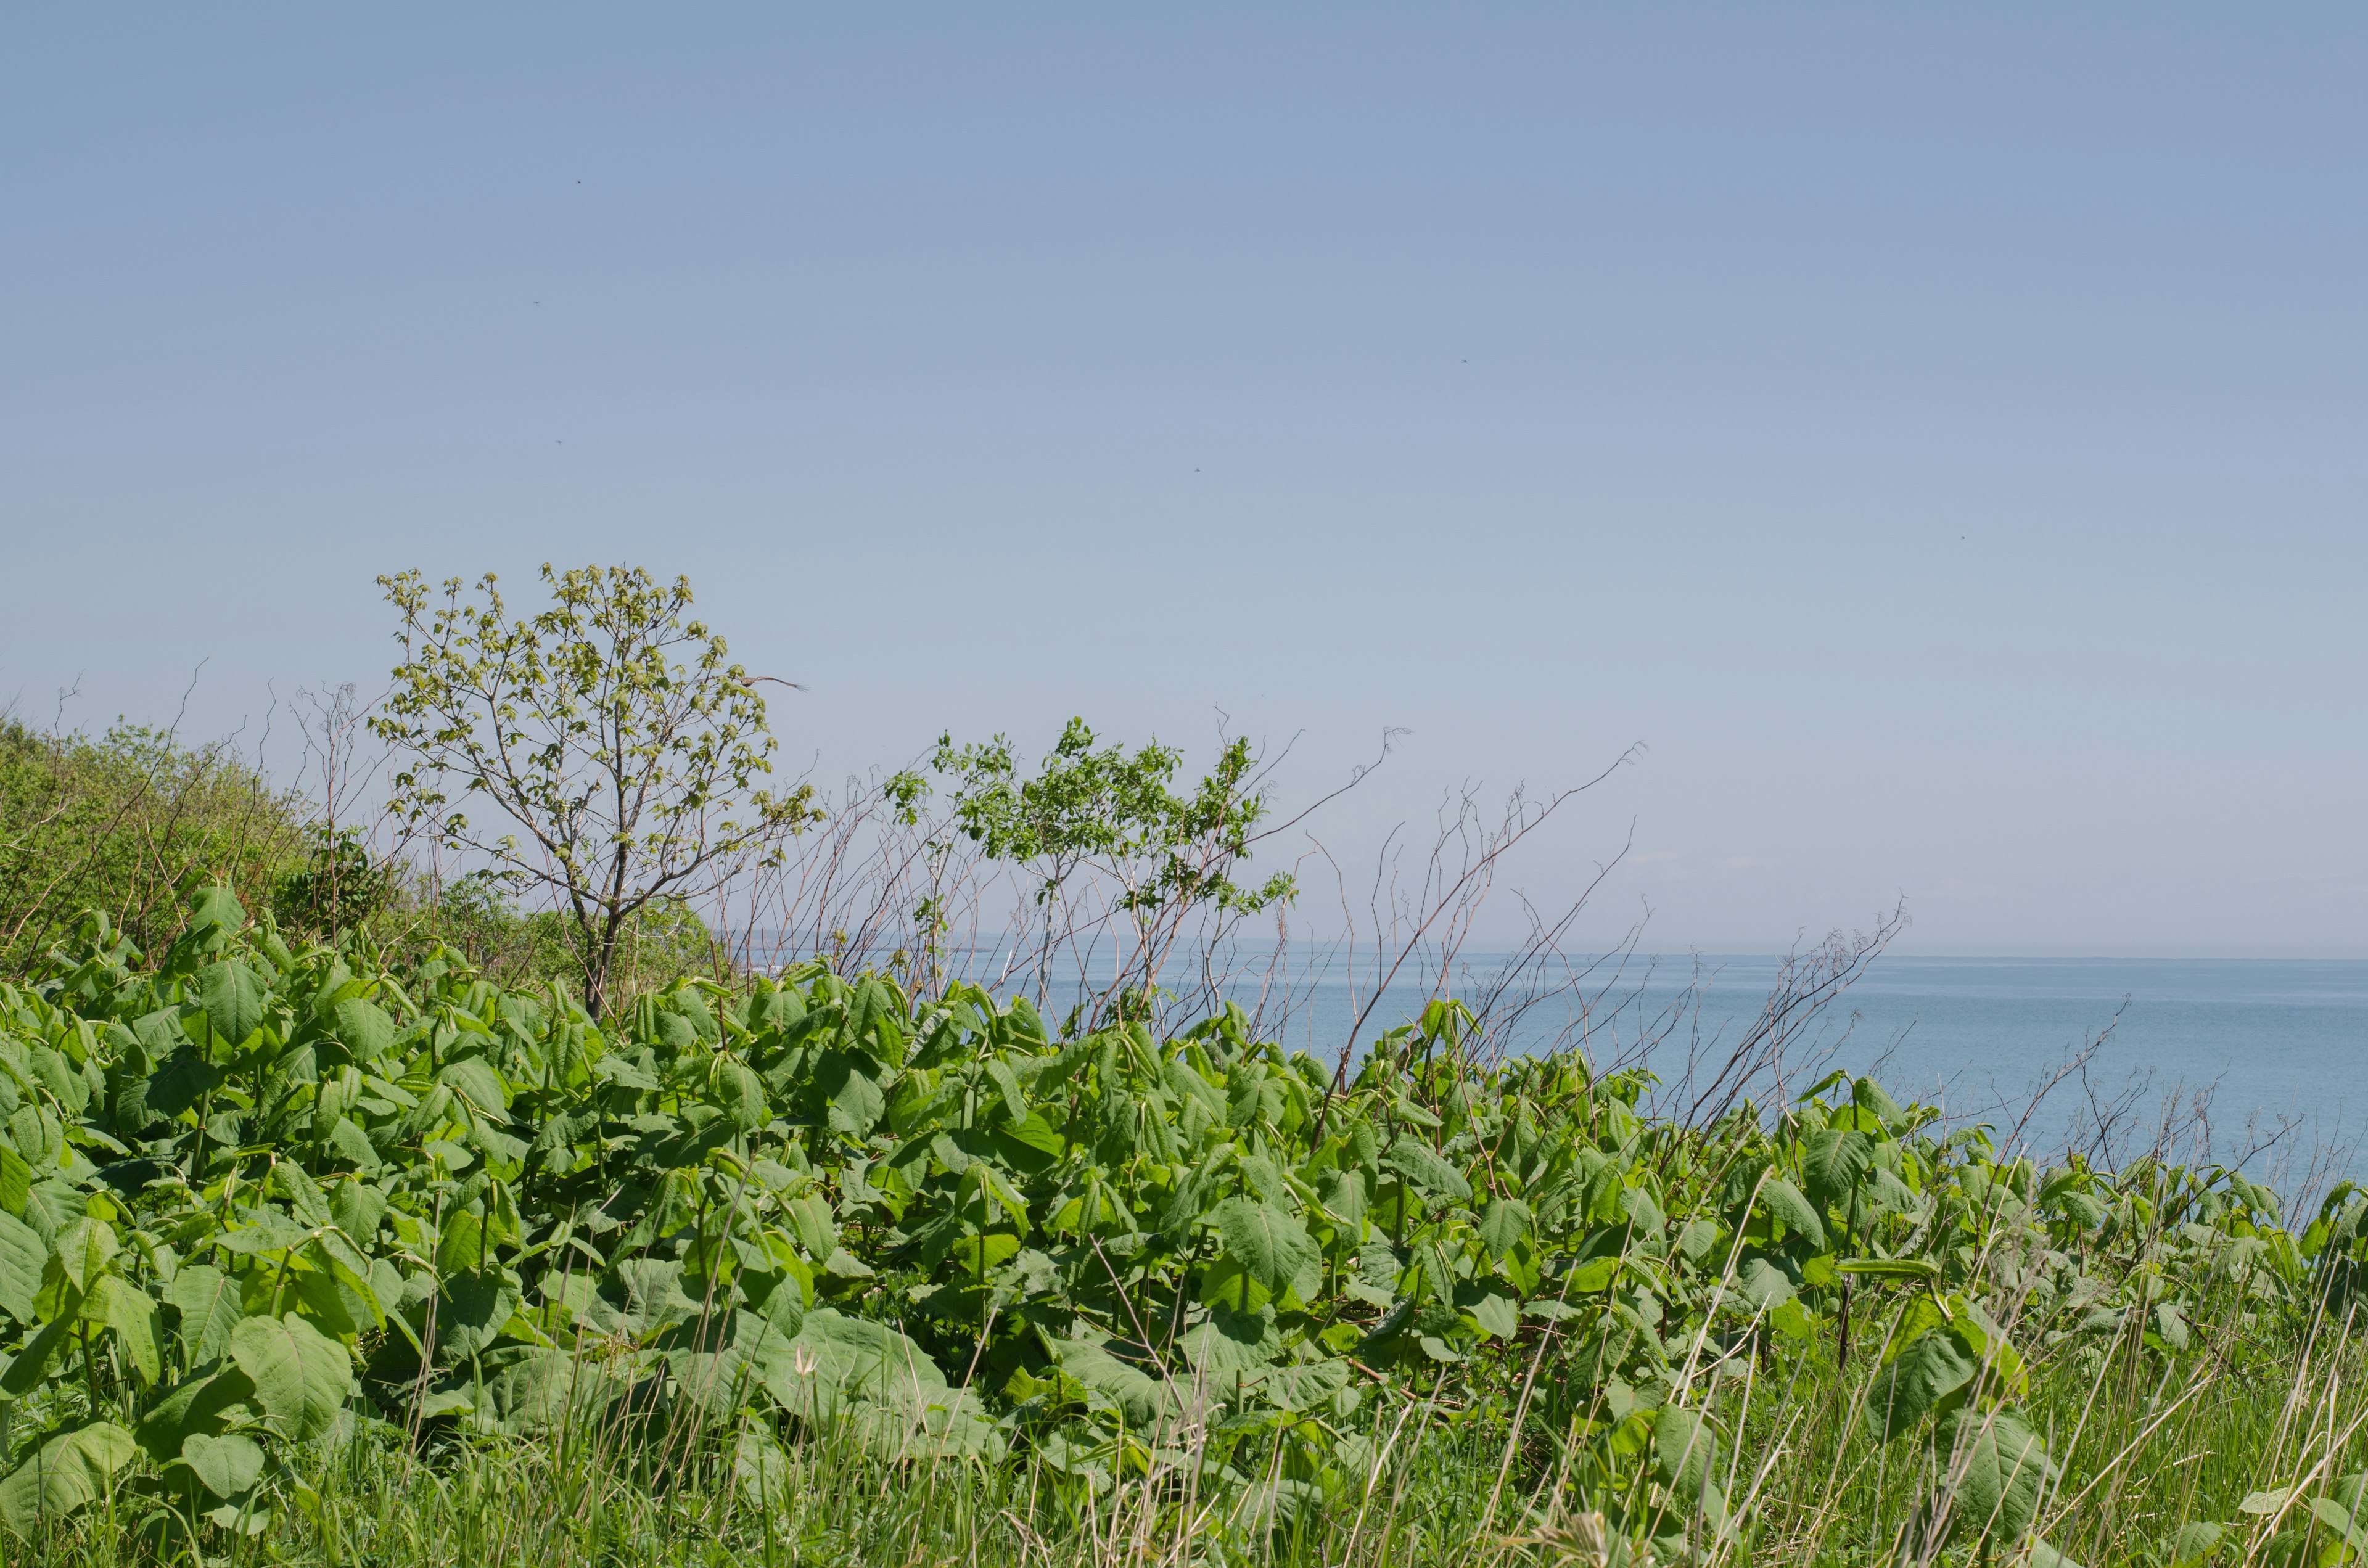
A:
(317, 1253)
(131, 823)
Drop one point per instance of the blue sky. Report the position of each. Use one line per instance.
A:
(1938, 437)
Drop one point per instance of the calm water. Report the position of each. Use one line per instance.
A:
(2275, 1042)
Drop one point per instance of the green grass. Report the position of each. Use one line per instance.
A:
(2144, 1448)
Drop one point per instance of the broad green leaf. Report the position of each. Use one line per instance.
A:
(1763, 1285)
(228, 1465)
(2196, 1541)
(198, 1405)
(1496, 1312)
(1421, 1163)
(2001, 1469)
(1344, 1195)
(1226, 1342)
(811, 1222)
(1922, 1270)
(126, 1310)
(855, 1100)
(66, 1472)
(1786, 1203)
(760, 1468)
(85, 1251)
(233, 998)
(1834, 1162)
(549, 1388)
(2338, 1517)
(1503, 1222)
(301, 1377)
(741, 1093)
(1271, 1245)
(474, 1080)
(209, 1302)
(16, 1180)
(23, 1256)
(351, 1142)
(1141, 1394)
(215, 913)
(364, 1028)
(1927, 1372)
(1688, 1450)
(472, 1307)
(26, 1369)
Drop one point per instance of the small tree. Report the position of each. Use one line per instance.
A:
(617, 736)
(1162, 856)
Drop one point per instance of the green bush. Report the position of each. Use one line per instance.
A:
(261, 1208)
(130, 823)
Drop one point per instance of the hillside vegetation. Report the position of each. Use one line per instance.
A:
(304, 1257)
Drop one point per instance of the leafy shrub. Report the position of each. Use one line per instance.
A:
(253, 1199)
(130, 824)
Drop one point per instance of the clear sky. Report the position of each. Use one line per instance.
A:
(1936, 433)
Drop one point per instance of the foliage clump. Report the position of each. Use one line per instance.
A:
(260, 1204)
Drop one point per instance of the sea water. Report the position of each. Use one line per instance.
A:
(2250, 1060)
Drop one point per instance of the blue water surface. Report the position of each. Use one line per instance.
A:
(2271, 1045)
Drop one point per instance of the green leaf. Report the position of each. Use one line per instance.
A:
(354, 1145)
(209, 1306)
(1226, 1342)
(198, 1405)
(1272, 1246)
(1922, 1270)
(1495, 1311)
(2002, 1468)
(1763, 1285)
(2338, 1517)
(16, 1180)
(472, 1307)
(85, 1251)
(215, 913)
(228, 1465)
(1834, 1162)
(1419, 1164)
(69, 1471)
(547, 1388)
(1687, 1451)
(233, 998)
(741, 1093)
(1927, 1372)
(25, 1370)
(2196, 1541)
(1345, 1197)
(23, 1256)
(1142, 1397)
(855, 1099)
(1784, 1201)
(301, 1377)
(474, 1080)
(126, 1310)
(1504, 1222)
(364, 1028)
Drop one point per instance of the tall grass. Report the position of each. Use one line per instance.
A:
(2262, 1407)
